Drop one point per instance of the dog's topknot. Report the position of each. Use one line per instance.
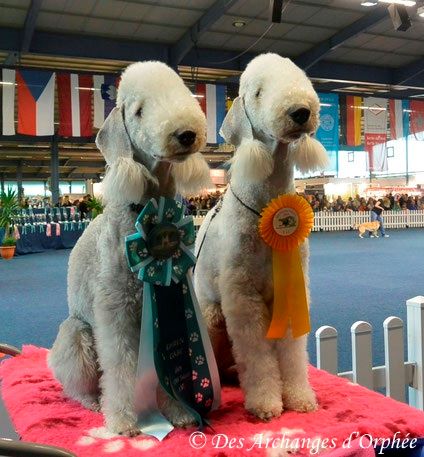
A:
(151, 74)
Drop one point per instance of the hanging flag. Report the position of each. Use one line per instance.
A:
(105, 91)
(417, 119)
(75, 97)
(7, 96)
(399, 118)
(328, 132)
(350, 119)
(213, 103)
(35, 102)
(375, 129)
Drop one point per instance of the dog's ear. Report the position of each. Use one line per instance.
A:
(126, 180)
(252, 160)
(236, 126)
(112, 139)
(192, 175)
(309, 155)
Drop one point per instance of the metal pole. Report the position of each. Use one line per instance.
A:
(54, 165)
(407, 161)
(19, 179)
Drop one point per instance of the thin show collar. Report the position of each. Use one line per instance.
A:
(244, 204)
(136, 207)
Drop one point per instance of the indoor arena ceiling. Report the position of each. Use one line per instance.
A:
(342, 45)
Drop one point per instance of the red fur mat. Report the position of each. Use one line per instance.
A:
(42, 414)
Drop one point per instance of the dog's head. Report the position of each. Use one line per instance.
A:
(156, 119)
(276, 104)
(278, 98)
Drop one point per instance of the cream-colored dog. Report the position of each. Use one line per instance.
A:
(368, 227)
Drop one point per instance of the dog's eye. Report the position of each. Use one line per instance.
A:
(139, 112)
(258, 93)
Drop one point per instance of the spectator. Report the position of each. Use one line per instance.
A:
(83, 206)
(66, 201)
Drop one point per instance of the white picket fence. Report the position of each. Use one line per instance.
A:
(396, 373)
(328, 221)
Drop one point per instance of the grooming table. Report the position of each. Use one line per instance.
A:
(41, 413)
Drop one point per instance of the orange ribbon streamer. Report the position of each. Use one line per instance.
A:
(290, 308)
(284, 225)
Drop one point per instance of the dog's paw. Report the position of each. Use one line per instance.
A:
(94, 406)
(300, 399)
(90, 402)
(176, 414)
(265, 409)
(123, 425)
(182, 419)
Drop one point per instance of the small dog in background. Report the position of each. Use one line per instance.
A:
(368, 227)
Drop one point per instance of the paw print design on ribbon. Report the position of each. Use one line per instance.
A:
(194, 337)
(200, 360)
(205, 383)
(160, 250)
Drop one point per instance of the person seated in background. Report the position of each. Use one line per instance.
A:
(83, 206)
(66, 201)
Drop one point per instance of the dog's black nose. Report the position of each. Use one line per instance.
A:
(187, 138)
(300, 116)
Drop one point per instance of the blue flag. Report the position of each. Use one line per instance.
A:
(328, 132)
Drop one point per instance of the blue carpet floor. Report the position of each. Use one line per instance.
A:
(351, 279)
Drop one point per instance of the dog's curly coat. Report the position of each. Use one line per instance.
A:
(95, 353)
(233, 277)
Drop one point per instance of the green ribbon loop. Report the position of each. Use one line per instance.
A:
(175, 350)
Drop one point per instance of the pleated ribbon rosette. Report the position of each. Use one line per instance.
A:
(175, 350)
(284, 224)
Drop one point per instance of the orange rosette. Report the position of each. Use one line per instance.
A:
(285, 223)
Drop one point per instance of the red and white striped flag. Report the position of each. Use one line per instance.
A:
(417, 119)
(75, 93)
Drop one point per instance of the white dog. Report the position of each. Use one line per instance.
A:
(149, 142)
(270, 124)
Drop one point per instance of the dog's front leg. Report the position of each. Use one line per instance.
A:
(293, 359)
(117, 339)
(247, 319)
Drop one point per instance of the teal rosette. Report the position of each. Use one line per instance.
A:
(175, 350)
